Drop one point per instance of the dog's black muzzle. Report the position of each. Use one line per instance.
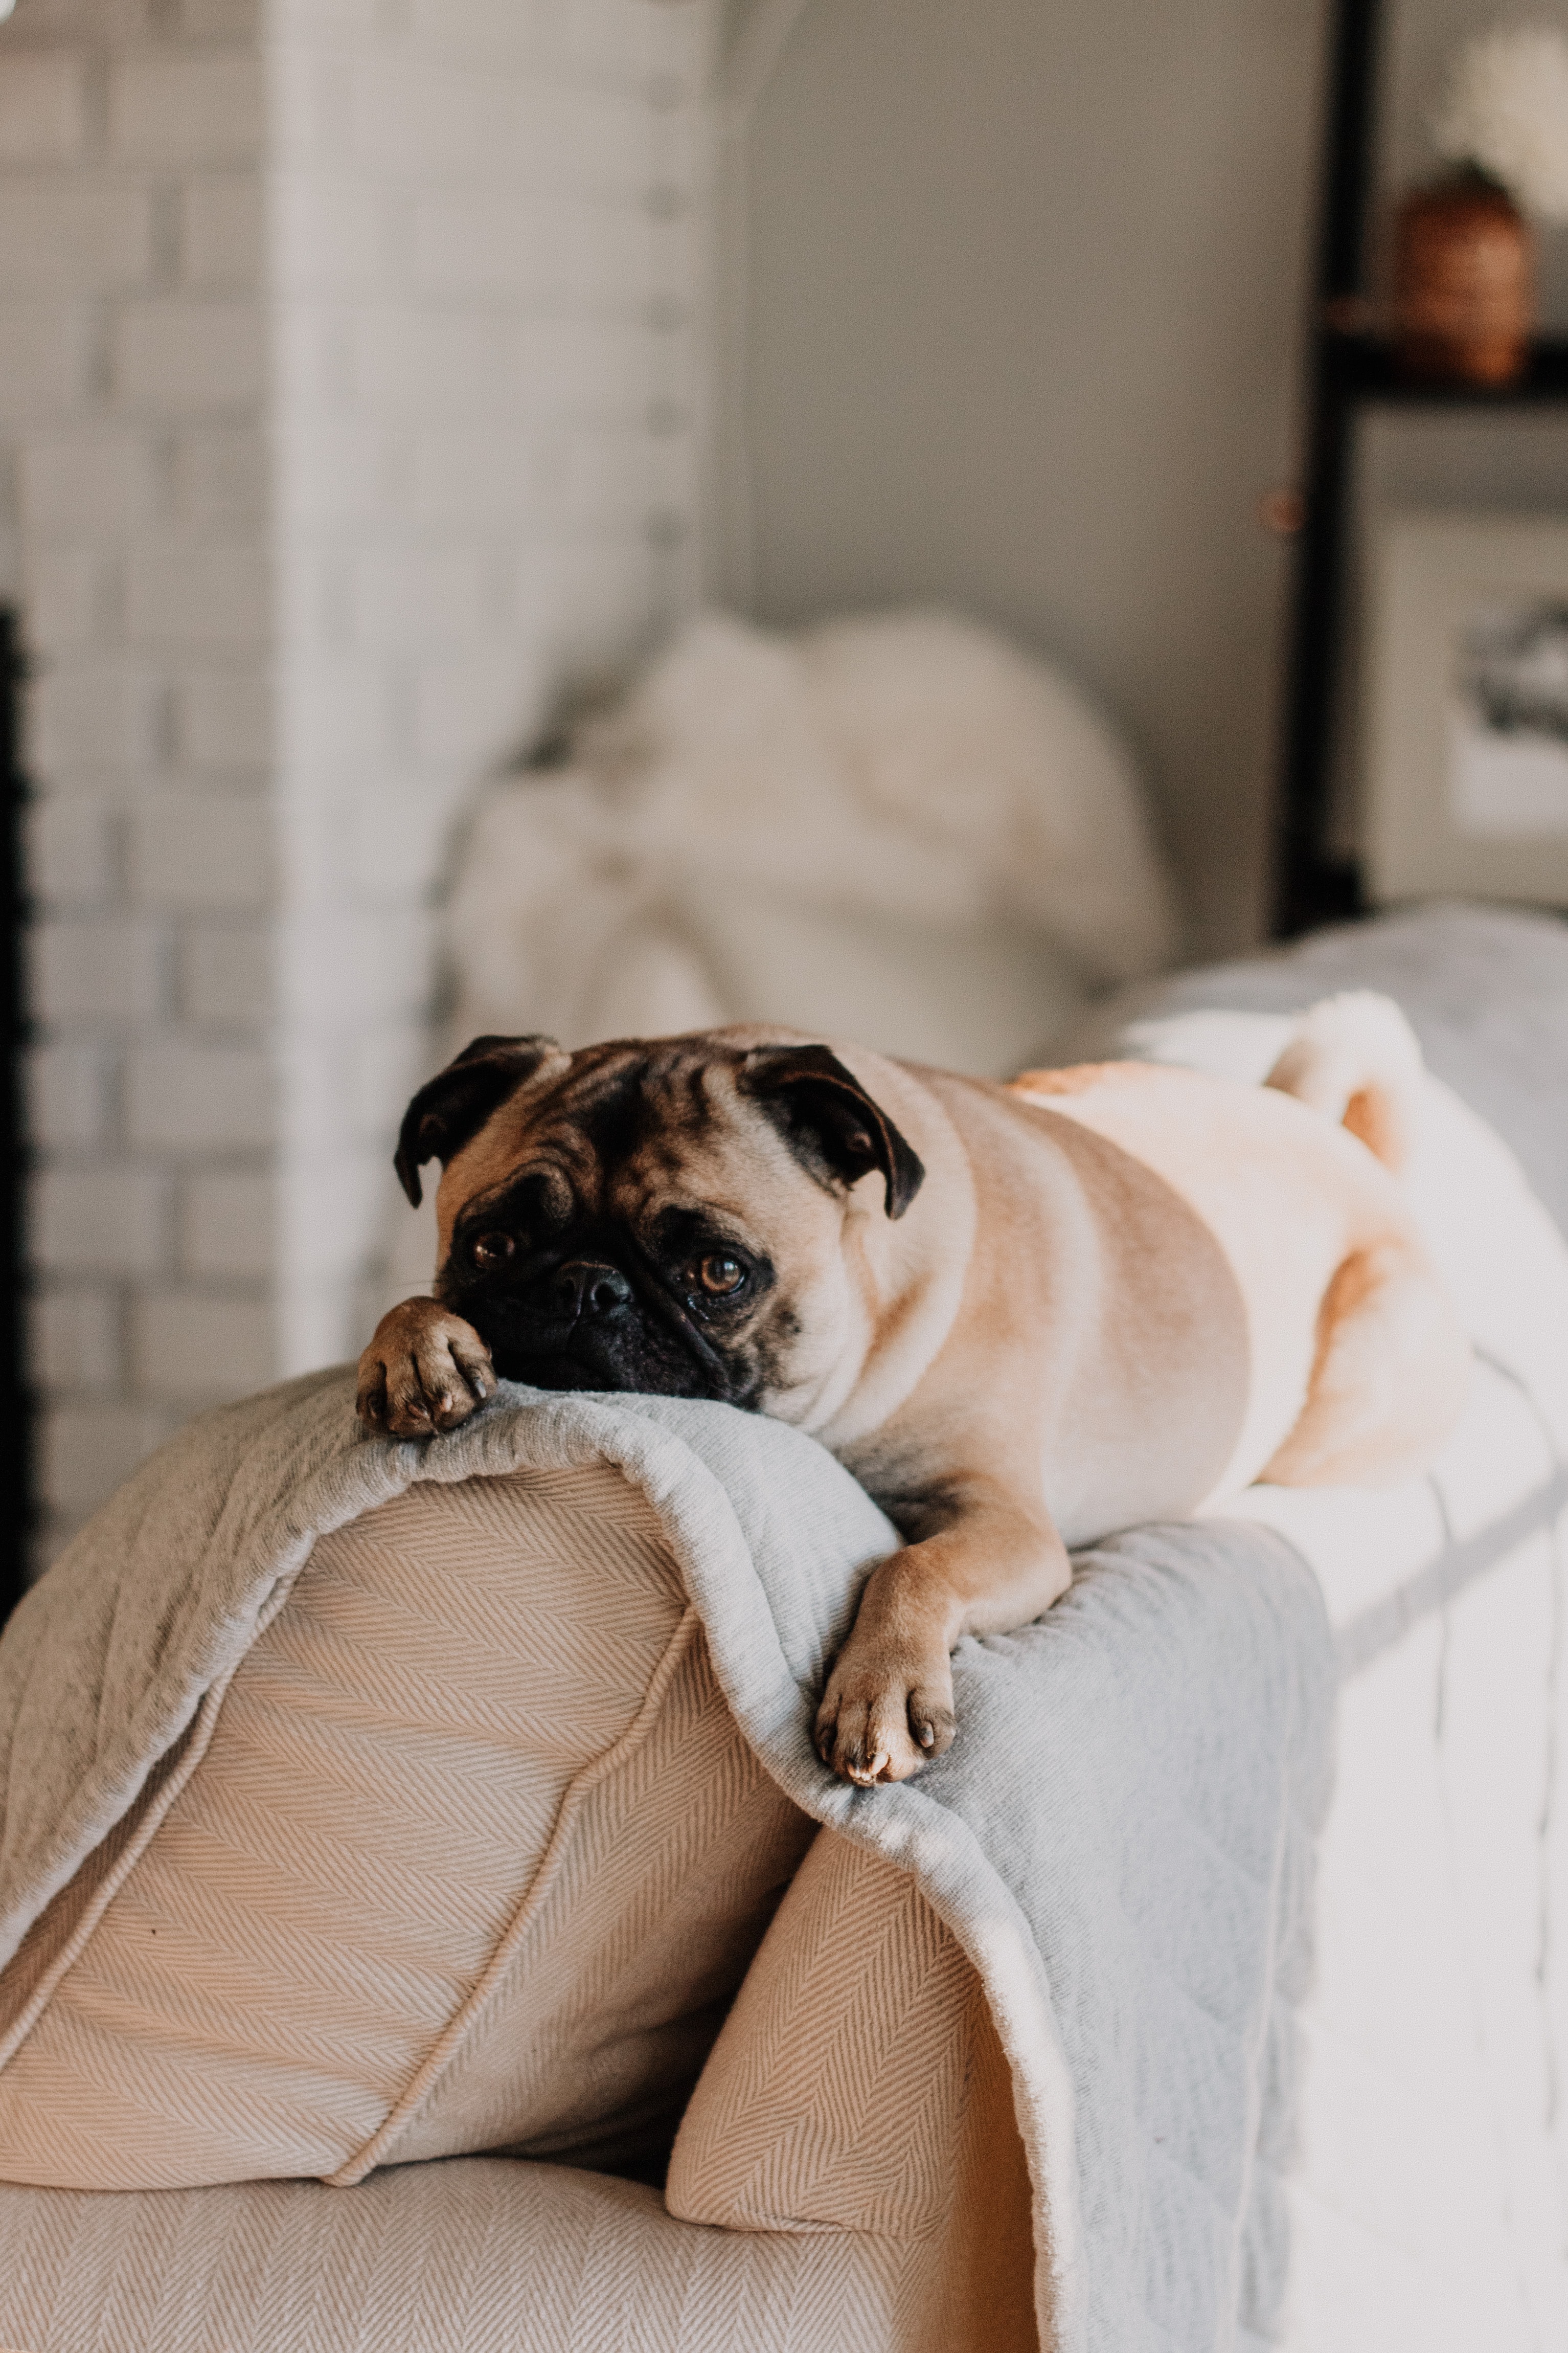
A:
(574, 1326)
(582, 1289)
(586, 1324)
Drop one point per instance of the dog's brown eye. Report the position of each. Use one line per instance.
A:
(720, 1276)
(492, 1250)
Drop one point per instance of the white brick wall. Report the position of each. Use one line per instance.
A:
(186, 111)
(43, 110)
(143, 578)
(350, 352)
(487, 253)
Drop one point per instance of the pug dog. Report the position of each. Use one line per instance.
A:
(1024, 1316)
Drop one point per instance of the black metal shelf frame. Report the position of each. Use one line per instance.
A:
(16, 1522)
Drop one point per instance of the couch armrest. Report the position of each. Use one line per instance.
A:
(859, 2085)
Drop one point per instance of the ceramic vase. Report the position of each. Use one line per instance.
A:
(1464, 284)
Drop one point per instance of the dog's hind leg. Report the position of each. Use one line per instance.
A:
(1389, 1377)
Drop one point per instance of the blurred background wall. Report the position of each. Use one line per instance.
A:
(1025, 302)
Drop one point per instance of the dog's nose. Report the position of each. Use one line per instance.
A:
(584, 1288)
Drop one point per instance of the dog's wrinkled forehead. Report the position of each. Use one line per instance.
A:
(626, 1114)
(651, 1114)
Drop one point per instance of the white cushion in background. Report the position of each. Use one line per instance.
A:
(852, 789)
(473, 1855)
(984, 997)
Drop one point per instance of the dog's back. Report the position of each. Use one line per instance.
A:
(1295, 1179)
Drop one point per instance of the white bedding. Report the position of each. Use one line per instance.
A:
(1429, 2198)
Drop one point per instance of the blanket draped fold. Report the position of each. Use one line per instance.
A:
(1120, 1838)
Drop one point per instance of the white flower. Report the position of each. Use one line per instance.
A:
(1507, 110)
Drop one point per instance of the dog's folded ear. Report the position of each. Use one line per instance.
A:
(455, 1104)
(830, 1119)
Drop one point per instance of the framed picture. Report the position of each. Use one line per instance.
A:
(1465, 788)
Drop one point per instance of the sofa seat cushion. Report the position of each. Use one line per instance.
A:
(476, 2255)
(466, 1853)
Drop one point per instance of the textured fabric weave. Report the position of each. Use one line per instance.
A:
(473, 1856)
(859, 2084)
(1086, 1764)
(474, 2255)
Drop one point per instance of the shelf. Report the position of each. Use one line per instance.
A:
(1364, 370)
(1352, 374)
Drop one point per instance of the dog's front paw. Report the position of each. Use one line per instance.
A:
(425, 1370)
(885, 1714)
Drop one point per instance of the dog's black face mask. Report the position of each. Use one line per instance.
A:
(567, 1265)
(575, 1302)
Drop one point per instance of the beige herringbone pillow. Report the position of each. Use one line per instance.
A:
(860, 2085)
(469, 1855)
